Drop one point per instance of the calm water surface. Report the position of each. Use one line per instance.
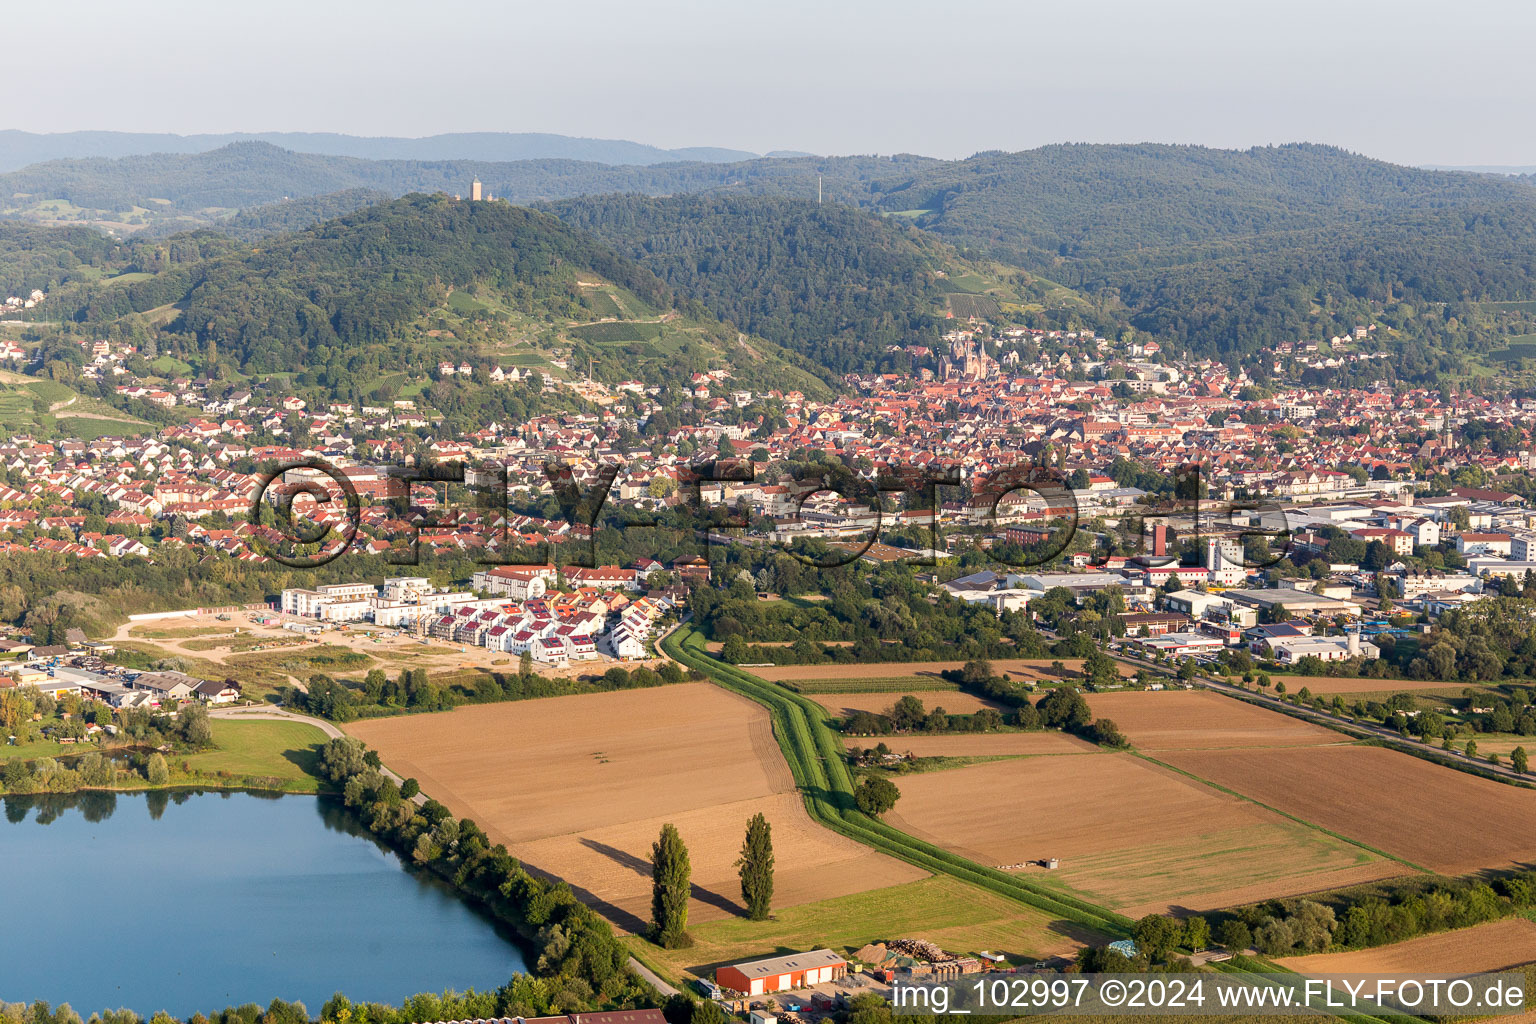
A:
(190, 902)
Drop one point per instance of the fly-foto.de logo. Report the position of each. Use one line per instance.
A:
(307, 513)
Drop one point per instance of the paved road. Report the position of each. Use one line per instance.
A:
(271, 714)
(646, 974)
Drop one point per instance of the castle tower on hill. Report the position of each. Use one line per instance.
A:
(474, 191)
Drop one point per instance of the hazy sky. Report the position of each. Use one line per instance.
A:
(1411, 81)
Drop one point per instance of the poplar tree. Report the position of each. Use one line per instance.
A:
(670, 872)
(756, 868)
(156, 771)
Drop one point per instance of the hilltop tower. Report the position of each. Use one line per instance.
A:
(474, 191)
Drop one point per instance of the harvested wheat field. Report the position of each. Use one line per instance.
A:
(979, 744)
(1423, 813)
(954, 702)
(1328, 685)
(1485, 947)
(1022, 669)
(1198, 719)
(1130, 835)
(578, 787)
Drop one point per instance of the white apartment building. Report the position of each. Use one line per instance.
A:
(1522, 547)
(1419, 585)
(520, 583)
(313, 603)
(405, 588)
(344, 610)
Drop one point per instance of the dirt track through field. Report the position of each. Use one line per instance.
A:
(579, 787)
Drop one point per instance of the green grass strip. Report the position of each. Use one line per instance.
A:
(816, 760)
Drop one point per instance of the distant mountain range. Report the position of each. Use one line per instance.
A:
(18, 149)
(1223, 252)
(1484, 168)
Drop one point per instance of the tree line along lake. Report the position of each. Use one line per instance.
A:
(189, 901)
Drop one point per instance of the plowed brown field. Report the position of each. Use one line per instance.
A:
(1436, 817)
(1198, 719)
(1129, 834)
(579, 787)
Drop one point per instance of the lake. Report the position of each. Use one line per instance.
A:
(192, 901)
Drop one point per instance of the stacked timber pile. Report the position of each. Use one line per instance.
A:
(919, 956)
(920, 949)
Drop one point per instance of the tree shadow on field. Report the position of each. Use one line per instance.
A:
(642, 867)
(638, 865)
(615, 914)
(307, 759)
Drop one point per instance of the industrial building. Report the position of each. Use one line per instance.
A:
(781, 973)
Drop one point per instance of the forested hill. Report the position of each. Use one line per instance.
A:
(1103, 201)
(1233, 252)
(401, 284)
(297, 214)
(836, 284)
(1220, 251)
(1071, 201)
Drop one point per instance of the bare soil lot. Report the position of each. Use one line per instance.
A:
(1436, 817)
(1198, 719)
(579, 787)
(237, 641)
(1129, 834)
(1485, 947)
